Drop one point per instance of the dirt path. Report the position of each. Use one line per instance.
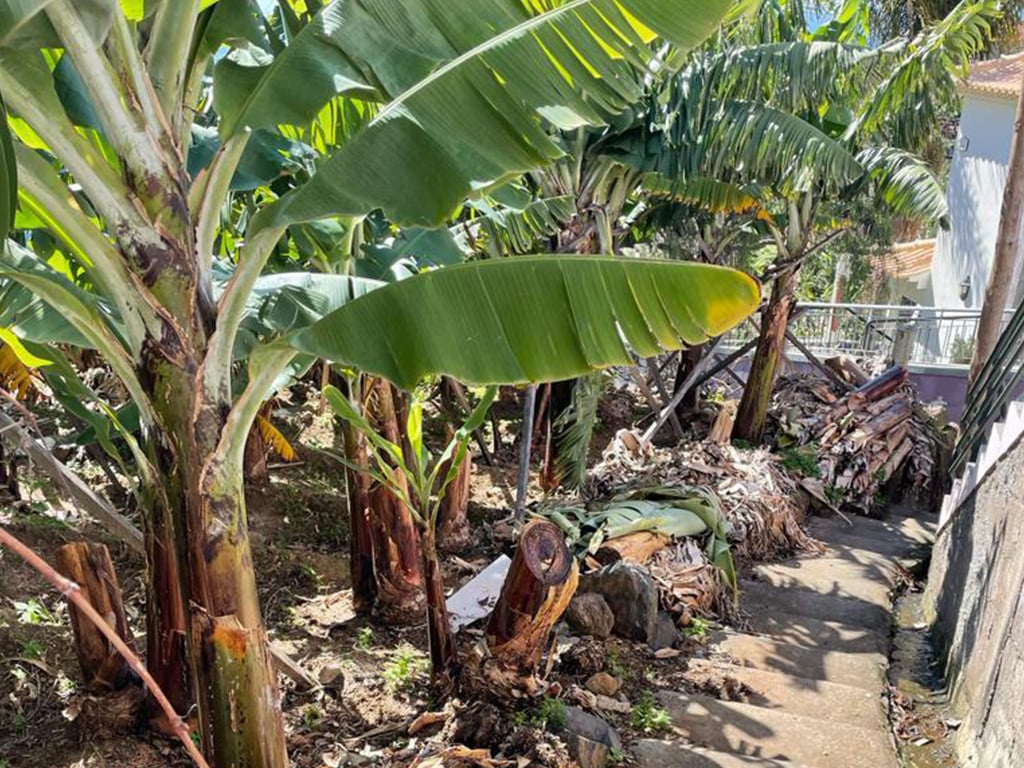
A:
(813, 659)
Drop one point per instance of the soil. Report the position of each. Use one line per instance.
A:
(374, 679)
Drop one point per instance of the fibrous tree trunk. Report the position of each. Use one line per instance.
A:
(443, 657)
(753, 409)
(541, 581)
(90, 566)
(364, 581)
(396, 541)
(453, 532)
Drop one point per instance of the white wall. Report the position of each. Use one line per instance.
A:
(975, 193)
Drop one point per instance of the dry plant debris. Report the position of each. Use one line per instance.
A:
(858, 441)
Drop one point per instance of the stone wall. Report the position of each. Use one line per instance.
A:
(975, 597)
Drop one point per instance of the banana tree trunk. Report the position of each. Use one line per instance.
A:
(443, 658)
(753, 408)
(396, 539)
(540, 583)
(239, 702)
(364, 582)
(167, 654)
(453, 521)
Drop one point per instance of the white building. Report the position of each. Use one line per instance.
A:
(977, 175)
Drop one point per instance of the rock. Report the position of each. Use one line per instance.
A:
(665, 633)
(608, 704)
(604, 684)
(632, 596)
(332, 676)
(589, 614)
(589, 738)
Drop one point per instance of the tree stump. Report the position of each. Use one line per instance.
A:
(541, 581)
(89, 566)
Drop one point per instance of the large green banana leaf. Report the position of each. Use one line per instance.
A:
(469, 91)
(542, 318)
(8, 175)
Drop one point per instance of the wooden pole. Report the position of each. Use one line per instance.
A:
(997, 292)
(526, 438)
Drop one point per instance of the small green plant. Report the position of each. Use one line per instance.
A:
(802, 460)
(364, 639)
(550, 714)
(648, 716)
(32, 649)
(698, 629)
(615, 665)
(65, 686)
(405, 668)
(312, 715)
(32, 611)
(615, 756)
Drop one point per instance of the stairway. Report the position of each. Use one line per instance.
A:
(814, 653)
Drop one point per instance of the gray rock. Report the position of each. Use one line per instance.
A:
(589, 614)
(589, 738)
(632, 596)
(665, 633)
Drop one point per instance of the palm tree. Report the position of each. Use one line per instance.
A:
(102, 97)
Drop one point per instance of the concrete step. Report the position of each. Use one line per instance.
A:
(822, 654)
(894, 531)
(830, 575)
(871, 549)
(761, 600)
(663, 753)
(822, 699)
(746, 729)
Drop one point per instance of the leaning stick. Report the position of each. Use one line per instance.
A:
(72, 592)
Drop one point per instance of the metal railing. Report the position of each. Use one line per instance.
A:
(904, 334)
(998, 382)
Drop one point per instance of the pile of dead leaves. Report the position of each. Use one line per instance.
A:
(857, 442)
(758, 498)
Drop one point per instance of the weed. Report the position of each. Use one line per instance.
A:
(550, 714)
(32, 649)
(65, 686)
(650, 675)
(648, 716)
(33, 612)
(312, 715)
(364, 640)
(615, 665)
(405, 668)
(802, 460)
(697, 629)
(616, 756)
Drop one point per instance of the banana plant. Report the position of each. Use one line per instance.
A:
(460, 97)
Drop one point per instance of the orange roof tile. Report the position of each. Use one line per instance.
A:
(907, 260)
(997, 77)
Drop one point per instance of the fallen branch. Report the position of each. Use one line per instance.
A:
(73, 593)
